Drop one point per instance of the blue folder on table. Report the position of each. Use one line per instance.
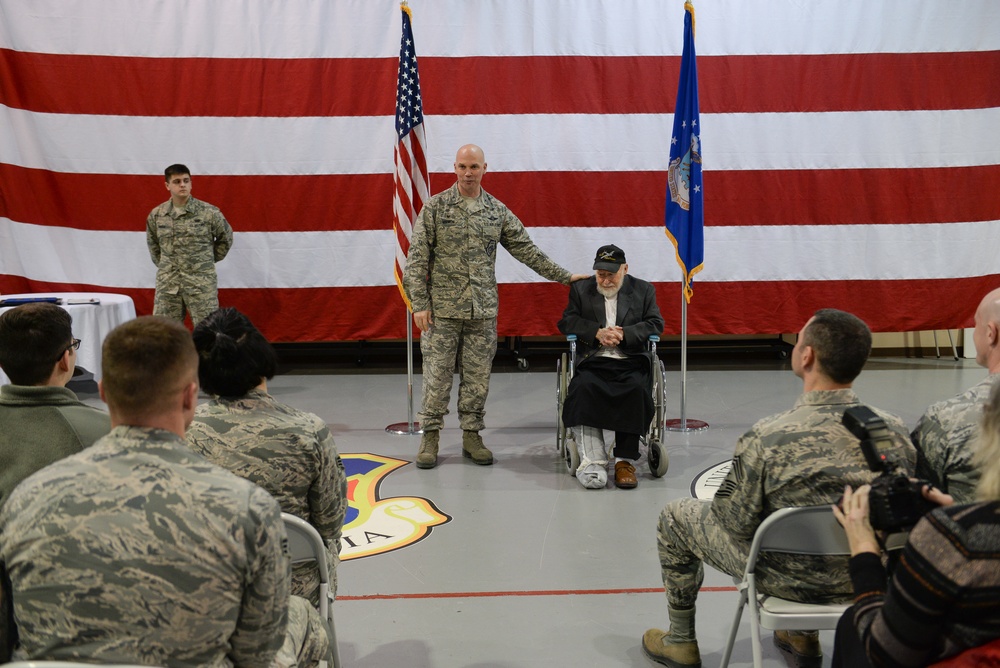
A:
(17, 301)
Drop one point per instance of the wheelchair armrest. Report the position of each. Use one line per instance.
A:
(651, 343)
(571, 337)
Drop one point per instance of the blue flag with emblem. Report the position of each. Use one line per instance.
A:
(684, 218)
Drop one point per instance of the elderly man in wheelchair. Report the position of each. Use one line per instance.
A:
(617, 383)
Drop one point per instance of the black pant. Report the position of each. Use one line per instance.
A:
(626, 445)
(613, 394)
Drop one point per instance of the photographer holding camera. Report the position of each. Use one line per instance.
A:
(942, 600)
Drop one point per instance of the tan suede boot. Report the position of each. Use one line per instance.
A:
(803, 646)
(677, 647)
(427, 456)
(473, 448)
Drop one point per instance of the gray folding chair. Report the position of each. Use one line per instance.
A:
(810, 531)
(305, 544)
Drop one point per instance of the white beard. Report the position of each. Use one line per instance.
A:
(608, 293)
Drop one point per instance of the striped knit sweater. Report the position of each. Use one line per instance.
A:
(944, 596)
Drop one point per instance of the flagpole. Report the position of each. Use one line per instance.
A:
(683, 424)
(412, 181)
(409, 427)
(684, 218)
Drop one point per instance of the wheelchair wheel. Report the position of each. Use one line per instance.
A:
(659, 402)
(659, 460)
(571, 455)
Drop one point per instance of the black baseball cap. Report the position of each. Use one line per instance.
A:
(609, 258)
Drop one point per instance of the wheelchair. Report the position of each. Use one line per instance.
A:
(656, 451)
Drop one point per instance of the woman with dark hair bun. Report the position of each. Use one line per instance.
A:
(288, 452)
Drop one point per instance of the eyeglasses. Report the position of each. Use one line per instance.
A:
(74, 345)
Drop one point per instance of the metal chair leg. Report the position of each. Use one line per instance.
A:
(954, 350)
(951, 340)
(732, 632)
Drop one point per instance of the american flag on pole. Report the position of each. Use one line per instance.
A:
(412, 180)
(685, 217)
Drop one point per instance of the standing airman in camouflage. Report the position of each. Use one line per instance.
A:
(288, 452)
(186, 237)
(802, 457)
(451, 282)
(945, 434)
(138, 550)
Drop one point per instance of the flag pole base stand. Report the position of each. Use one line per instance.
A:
(685, 425)
(404, 429)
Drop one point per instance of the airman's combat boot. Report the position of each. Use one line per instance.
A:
(677, 647)
(427, 456)
(472, 447)
(803, 646)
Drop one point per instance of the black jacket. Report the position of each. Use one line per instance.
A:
(638, 314)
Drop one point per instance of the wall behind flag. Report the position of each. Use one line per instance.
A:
(854, 153)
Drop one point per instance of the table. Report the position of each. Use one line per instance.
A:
(91, 322)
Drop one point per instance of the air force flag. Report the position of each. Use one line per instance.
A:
(684, 217)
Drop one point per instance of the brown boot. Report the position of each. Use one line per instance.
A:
(659, 646)
(803, 646)
(473, 448)
(677, 647)
(427, 456)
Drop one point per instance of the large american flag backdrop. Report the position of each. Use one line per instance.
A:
(851, 149)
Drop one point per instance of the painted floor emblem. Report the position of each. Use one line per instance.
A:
(707, 483)
(374, 525)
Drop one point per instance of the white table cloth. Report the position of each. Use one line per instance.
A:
(91, 322)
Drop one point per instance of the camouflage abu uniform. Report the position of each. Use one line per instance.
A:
(451, 272)
(944, 436)
(185, 244)
(802, 457)
(288, 452)
(139, 550)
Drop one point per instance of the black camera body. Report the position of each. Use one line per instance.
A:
(895, 502)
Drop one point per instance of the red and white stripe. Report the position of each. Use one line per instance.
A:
(412, 189)
(851, 150)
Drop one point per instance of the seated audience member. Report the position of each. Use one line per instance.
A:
(944, 595)
(138, 550)
(945, 433)
(802, 457)
(288, 452)
(41, 419)
(612, 315)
